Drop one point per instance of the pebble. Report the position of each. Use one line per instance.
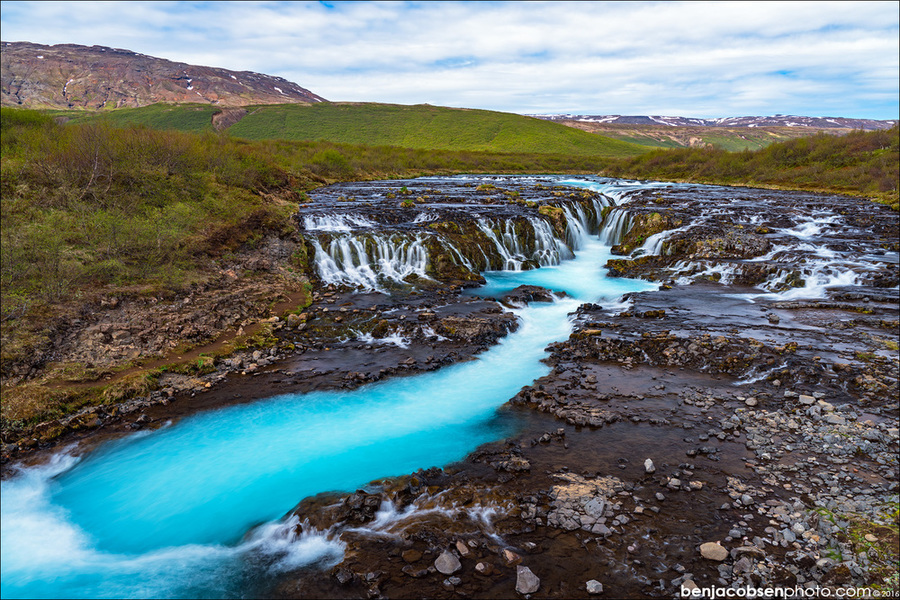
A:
(510, 557)
(713, 551)
(649, 467)
(447, 563)
(594, 587)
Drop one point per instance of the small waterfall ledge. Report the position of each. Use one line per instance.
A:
(385, 245)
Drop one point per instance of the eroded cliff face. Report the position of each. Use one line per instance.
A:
(73, 76)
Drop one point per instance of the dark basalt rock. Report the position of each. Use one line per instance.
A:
(525, 294)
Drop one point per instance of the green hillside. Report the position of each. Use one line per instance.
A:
(420, 127)
(424, 127)
(861, 162)
(181, 117)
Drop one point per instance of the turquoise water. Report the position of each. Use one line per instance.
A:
(193, 509)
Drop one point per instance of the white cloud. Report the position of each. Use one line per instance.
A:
(691, 58)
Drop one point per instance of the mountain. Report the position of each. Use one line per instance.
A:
(773, 121)
(69, 76)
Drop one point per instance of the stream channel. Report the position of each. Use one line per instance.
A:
(194, 509)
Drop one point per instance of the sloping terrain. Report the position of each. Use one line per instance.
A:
(424, 126)
(70, 76)
(421, 127)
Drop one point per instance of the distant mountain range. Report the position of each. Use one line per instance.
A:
(773, 121)
(67, 76)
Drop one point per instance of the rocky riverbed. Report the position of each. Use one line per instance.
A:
(738, 426)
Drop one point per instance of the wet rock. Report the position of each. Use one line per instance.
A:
(293, 320)
(484, 568)
(411, 555)
(447, 563)
(414, 572)
(525, 294)
(649, 467)
(594, 587)
(343, 576)
(526, 581)
(713, 551)
(360, 507)
(510, 557)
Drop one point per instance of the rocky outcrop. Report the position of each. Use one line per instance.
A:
(96, 77)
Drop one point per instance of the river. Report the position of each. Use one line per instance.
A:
(194, 509)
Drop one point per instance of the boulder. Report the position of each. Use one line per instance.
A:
(525, 294)
(526, 581)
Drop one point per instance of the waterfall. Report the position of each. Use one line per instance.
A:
(549, 250)
(653, 245)
(378, 261)
(577, 225)
(335, 222)
(615, 226)
(511, 257)
(370, 261)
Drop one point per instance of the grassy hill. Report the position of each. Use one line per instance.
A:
(426, 127)
(866, 163)
(181, 117)
(419, 127)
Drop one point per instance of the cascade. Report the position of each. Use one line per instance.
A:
(372, 260)
(509, 252)
(615, 227)
(549, 249)
(375, 261)
(335, 222)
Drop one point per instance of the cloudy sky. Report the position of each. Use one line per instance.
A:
(697, 59)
